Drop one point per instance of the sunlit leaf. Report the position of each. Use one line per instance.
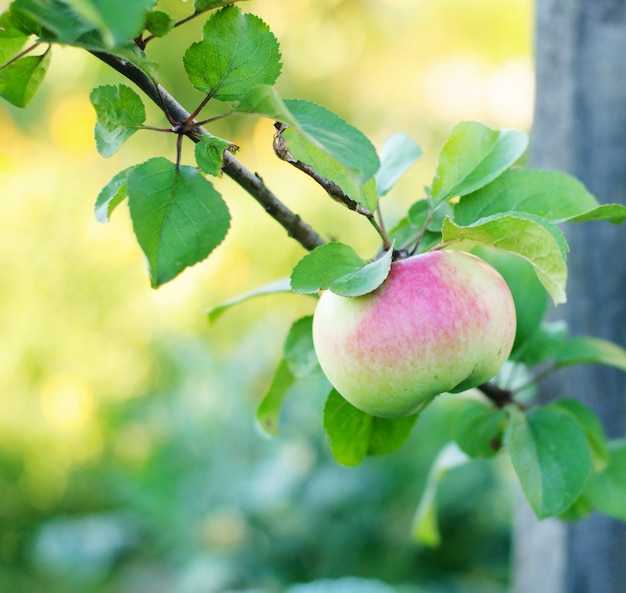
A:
(338, 267)
(237, 53)
(397, 155)
(159, 23)
(12, 38)
(119, 110)
(209, 153)
(112, 195)
(537, 242)
(551, 458)
(20, 80)
(277, 287)
(589, 350)
(178, 217)
(265, 100)
(473, 156)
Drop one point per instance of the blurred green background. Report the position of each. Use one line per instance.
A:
(129, 456)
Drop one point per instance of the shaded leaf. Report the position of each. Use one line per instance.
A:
(605, 490)
(178, 217)
(278, 286)
(473, 156)
(337, 266)
(119, 110)
(268, 411)
(479, 429)
(588, 350)
(544, 344)
(112, 195)
(534, 241)
(396, 157)
(20, 80)
(388, 434)
(238, 52)
(298, 351)
(551, 458)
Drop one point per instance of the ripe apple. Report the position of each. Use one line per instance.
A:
(442, 321)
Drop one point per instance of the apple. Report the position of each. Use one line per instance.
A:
(442, 321)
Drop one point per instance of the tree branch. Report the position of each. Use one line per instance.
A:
(250, 182)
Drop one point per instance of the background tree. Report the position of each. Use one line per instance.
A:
(580, 127)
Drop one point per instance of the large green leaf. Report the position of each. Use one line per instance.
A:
(539, 242)
(606, 490)
(12, 38)
(338, 267)
(117, 21)
(552, 195)
(473, 156)
(589, 350)
(178, 217)
(551, 458)
(396, 156)
(237, 53)
(20, 80)
(119, 110)
(354, 434)
(335, 149)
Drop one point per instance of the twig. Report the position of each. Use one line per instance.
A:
(252, 183)
(500, 397)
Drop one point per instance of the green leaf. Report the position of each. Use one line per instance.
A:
(591, 426)
(238, 52)
(56, 20)
(112, 195)
(348, 430)
(588, 350)
(397, 155)
(515, 233)
(12, 38)
(117, 21)
(119, 110)
(265, 100)
(209, 153)
(425, 528)
(605, 490)
(338, 267)
(20, 80)
(473, 156)
(268, 411)
(388, 434)
(335, 149)
(159, 23)
(544, 344)
(479, 429)
(202, 5)
(178, 217)
(615, 213)
(529, 295)
(298, 351)
(551, 458)
(278, 286)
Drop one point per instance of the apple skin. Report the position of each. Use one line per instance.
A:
(442, 321)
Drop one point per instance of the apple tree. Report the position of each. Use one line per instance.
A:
(476, 327)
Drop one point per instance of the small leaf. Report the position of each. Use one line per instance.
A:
(479, 429)
(529, 295)
(202, 5)
(591, 426)
(605, 490)
(397, 155)
(551, 458)
(20, 80)
(159, 23)
(268, 411)
(473, 156)
(298, 351)
(348, 429)
(338, 267)
(112, 195)
(515, 233)
(425, 525)
(119, 110)
(238, 52)
(265, 100)
(178, 217)
(335, 149)
(209, 153)
(588, 350)
(277, 287)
